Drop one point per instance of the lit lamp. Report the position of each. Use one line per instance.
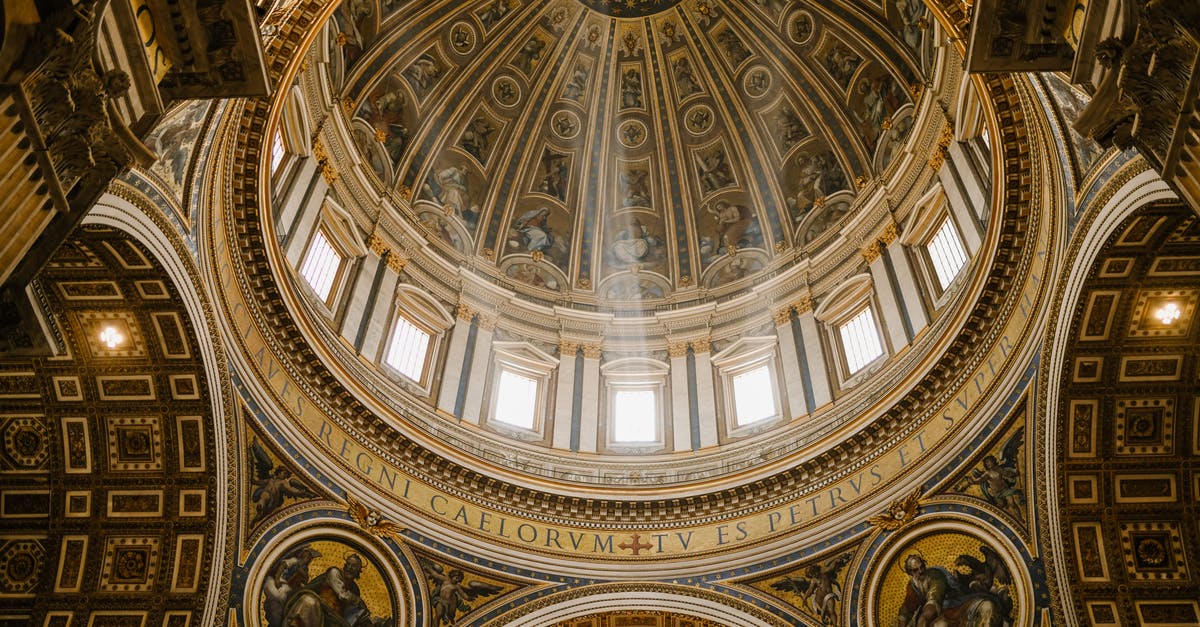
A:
(111, 337)
(1168, 313)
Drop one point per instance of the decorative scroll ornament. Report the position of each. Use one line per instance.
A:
(372, 520)
(900, 512)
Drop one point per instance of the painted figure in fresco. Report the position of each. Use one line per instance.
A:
(634, 244)
(533, 228)
(713, 170)
(817, 176)
(449, 594)
(554, 175)
(912, 16)
(732, 46)
(453, 181)
(935, 597)
(819, 588)
(423, 73)
(732, 223)
(494, 13)
(272, 484)
(841, 63)
(790, 127)
(774, 7)
(685, 77)
(999, 480)
(529, 55)
(386, 113)
(332, 599)
(635, 190)
(631, 89)
(802, 28)
(286, 577)
(477, 138)
(352, 17)
(577, 85)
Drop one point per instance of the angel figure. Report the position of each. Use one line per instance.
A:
(818, 588)
(272, 484)
(449, 594)
(1000, 479)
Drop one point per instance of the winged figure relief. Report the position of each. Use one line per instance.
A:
(273, 483)
(818, 588)
(450, 593)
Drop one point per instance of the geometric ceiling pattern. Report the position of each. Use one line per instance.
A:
(108, 467)
(625, 149)
(1128, 479)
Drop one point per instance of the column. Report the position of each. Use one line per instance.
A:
(893, 322)
(903, 273)
(706, 400)
(791, 377)
(455, 368)
(814, 353)
(301, 226)
(681, 417)
(378, 320)
(477, 381)
(962, 205)
(589, 411)
(364, 292)
(564, 396)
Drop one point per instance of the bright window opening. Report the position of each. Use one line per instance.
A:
(516, 401)
(635, 416)
(277, 151)
(947, 253)
(860, 340)
(754, 396)
(320, 265)
(408, 349)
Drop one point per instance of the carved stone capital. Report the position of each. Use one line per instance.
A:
(377, 245)
(677, 349)
(464, 312)
(702, 345)
(591, 351)
(890, 233)
(488, 323)
(804, 305)
(871, 252)
(396, 262)
(567, 349)
(782, 316)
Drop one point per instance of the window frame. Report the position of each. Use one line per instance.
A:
(745, 355)
(336, 226)
(631, 374)
(523, 359)
(420, 310)
(845, 303)
(924, 226)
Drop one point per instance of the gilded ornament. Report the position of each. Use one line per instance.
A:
(591, 351)
(871, 252)
(464, 312)
(395, 262)
(782, 316)
(702, 345)
(568, 349)
(372, 520)
(377, 245)
(803, 306)
(677, 349)
(889, 234)
(900, 512)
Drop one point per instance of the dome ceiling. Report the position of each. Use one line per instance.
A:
(627, 152)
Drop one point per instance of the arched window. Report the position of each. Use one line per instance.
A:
(934, 239)
(750, 386)
(520, 393)
(418, 325)
(331, 247)
(635, 401)
(852, 328)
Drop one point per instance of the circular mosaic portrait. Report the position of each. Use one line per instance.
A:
(325, 582)
(948, 579)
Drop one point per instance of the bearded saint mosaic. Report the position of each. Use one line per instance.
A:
(327, 583)
(949, 579)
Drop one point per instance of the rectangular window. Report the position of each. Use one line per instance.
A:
(947, 253)
(860, 340)
(754, 395)
(277, 151)
(408, 349)
(321, 265)
(635, 415)
(516, 400)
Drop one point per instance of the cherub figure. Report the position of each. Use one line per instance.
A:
(818, 588)
(449, 594)
(272, 484)
(1000, 480)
